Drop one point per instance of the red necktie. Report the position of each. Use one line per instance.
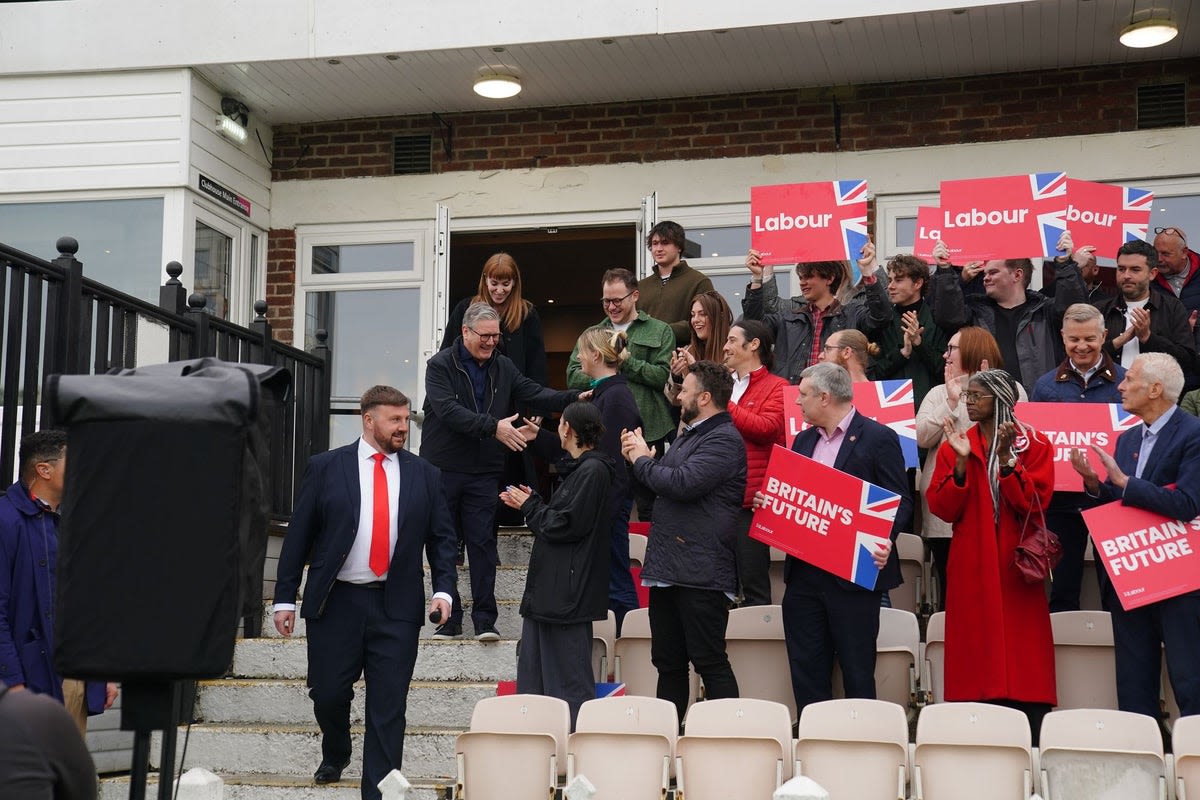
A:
(380, 524)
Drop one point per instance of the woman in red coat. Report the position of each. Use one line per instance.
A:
(987, 482)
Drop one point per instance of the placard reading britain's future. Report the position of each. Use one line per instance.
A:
(1149, 557)
(827, 517)
(822, 221)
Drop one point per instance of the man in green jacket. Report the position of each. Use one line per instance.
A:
(667, 292)
(650, 343)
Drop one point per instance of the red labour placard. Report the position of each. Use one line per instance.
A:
(929, 232)
(1106, 216)
(824, 516)
(1017, 216)
(821, 221)
(1149, 557)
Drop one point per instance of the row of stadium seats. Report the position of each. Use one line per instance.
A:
(519, 746)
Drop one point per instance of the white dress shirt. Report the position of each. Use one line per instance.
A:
(357, 567)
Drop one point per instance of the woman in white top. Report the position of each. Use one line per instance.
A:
(970, 350)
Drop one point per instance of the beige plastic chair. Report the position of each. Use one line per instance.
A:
(1084, 659)
(910, 595)
(516, 747)
(934, 661)
(775, 571)
(897, 649)
(637, 548)
(625, 746)
(604, 637)
(1102, 754)
(734, 747)
(854, 748)
(758, 655)
(631, 660)
(973, 750)
(1185, 741)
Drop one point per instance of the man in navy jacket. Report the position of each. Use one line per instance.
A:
(364, 515)
(28, 561)
(1157, 467)
(824, 615)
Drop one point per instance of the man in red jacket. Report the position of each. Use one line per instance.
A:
(757, 411)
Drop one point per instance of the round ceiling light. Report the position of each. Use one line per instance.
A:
(497, 86)
(1149, 33)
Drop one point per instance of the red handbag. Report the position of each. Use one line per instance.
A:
(1038, 551)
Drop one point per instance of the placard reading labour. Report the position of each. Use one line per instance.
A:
(1018, 216)
(1149, 557)
(1068, 426)
(824, 516)
(929, 233)
(1107, 216)
(821, 221)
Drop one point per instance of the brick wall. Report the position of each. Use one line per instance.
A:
(879, 116)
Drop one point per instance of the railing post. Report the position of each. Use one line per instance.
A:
(171, 295)
(321, 423)
(261, 350)
(200, 346)
(69, 352)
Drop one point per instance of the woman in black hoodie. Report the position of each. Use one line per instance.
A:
(567, 587)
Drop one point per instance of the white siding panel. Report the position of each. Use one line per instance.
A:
(75, 132)
(242, 168)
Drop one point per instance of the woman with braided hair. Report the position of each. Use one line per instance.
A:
(989, 482)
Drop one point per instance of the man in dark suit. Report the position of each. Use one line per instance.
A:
(825, 616)
(1157, 467)
(363, 515)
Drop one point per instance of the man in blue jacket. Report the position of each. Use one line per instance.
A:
(472, 394)
(1157, 467)
(28, 560)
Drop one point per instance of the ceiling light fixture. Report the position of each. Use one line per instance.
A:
(233, 120)
(497, 86)
(1149, 28)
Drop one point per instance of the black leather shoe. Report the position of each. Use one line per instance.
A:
(329, 773)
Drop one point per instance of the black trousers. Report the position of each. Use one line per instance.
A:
(753, 563)
(1068, 525)
(689, 625)
(472, 500)
(556, 660)
(1142, 637)
(823, 620)
(355, 637)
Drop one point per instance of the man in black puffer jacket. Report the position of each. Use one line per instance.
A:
(690, 556)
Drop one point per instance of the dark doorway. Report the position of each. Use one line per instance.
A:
(561, 270)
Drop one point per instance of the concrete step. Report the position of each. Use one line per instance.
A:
(508, 622)
(295, 750)
(452, 660)
(286, 702)
(277, 787)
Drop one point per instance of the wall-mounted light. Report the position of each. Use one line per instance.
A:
(233, 120)
(1149, 28)
(497, 85)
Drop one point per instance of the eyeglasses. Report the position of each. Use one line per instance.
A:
(950, 348)
(487, 337)
(973, 397)
(1174, 231)
(615, 301)
(829, 347)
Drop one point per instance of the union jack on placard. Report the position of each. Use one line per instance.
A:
(891, 403)
(849, 192)
(1048, 184)
(863, 571)
(854, 237)
(1136, 199)
(1051, 226)
(1122, 420)
(878, 502)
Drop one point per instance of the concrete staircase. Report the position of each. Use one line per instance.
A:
(255, 727)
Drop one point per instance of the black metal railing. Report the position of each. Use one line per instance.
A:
(54, 320)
